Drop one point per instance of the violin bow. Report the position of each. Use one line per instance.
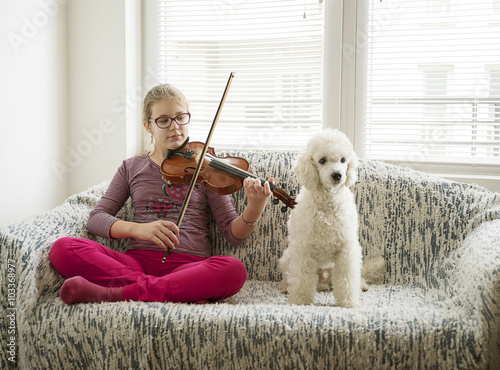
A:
(201, 159)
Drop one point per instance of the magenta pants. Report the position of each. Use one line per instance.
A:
(182, 278)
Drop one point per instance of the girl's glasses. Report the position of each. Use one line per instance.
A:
(165, 122)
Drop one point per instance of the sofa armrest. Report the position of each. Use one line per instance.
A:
(27, 245)
(472, 271)
(470, 280)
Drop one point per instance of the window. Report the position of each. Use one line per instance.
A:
(413, 82)
(428, 82)
(274, 48)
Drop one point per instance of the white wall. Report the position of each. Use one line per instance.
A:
(32, 108)
(96, 91)
(63, 100)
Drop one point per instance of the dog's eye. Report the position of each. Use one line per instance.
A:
(322, 160)
(342, 160)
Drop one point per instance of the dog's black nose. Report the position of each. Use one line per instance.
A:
(336, 176)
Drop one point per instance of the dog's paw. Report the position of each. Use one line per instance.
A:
(364, 285)
(373, 270)
(348, 303)
(283, 286)
(348, 298)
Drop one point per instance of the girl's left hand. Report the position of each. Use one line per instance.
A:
(257, 197)
(257, 194)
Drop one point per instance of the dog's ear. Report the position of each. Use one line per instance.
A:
(306, 171)
(352, 171)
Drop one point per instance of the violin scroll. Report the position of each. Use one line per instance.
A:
(287, 200)
(281, 195)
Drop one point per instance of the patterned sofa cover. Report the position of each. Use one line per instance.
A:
(439, 305)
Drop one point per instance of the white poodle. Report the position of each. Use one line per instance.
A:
(323, 243)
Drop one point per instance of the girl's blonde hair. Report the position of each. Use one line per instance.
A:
(159, 92)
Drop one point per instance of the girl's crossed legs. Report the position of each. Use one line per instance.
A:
(96, 273)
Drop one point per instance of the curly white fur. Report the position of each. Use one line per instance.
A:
(323, 226)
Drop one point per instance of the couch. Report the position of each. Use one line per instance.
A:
(438, 306)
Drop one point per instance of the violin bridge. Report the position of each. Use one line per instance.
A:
(197, 157)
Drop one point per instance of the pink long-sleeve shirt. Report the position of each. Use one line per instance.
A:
(141, 179)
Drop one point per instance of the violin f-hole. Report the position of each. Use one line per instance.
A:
(191, 168)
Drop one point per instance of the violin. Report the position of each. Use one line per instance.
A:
(220, 175)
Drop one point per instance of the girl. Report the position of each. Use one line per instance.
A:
(96, 273)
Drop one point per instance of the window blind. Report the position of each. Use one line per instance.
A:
(430, 80)
(274, 48)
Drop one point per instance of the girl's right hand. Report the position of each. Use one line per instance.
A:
(162, 233)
